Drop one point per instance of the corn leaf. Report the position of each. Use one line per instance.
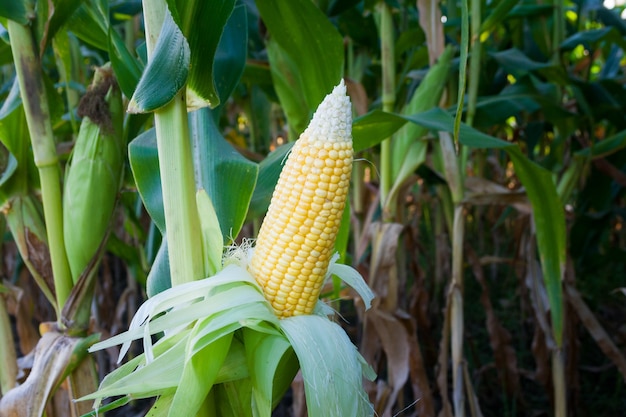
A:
(272, 366)
(166, 72)
(230, 56)
(127, 68)
(426, 96)
(269, 171)
(159, 278)
(14, 10)
(605, 147)
(199, 374)
(352, 277)
(496, 17)
(308, 42)
(58, 14)
(288, 87)
(217, 163)
(212, 17)
(144, 162)
(372, 128)
(331, 367)
(90, 24)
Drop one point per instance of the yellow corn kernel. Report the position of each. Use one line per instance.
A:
(295, 243)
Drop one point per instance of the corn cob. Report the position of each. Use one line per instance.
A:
(94, 175)
(296, 239)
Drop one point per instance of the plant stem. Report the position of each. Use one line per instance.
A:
(475, 56)
(388, 96)
(8, 370)
(176, 166)
(34, 98)
(558, 379)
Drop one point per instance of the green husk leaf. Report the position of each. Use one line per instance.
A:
(331, 367)
(351, 277)
(272, 365)
(94, 175)
(199, 374)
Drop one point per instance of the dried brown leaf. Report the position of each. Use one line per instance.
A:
(425, 405)
(21, 306)
(383, 266)
(430, 21)
(394, 339)
(480, 191)
(472, 399)
(299, 398)
(52, 356)
(442, 361)
(593, 326)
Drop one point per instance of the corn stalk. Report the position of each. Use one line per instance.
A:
(176, 166)
(29, 74)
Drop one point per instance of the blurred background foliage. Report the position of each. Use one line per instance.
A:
(545, 76)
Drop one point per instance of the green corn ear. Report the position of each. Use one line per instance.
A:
(94, 175)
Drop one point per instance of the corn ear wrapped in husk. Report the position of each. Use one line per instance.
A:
(94, 175)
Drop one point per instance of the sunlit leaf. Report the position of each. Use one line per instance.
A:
(313, 43)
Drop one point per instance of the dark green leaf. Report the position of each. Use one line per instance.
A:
(230, 58)
(159, 278)
(144, 162)
(59, 13)
(14, 10)
(269, 171)
(227, 177)
(497, 16)
(90, 26)
(166, 73)
(590, 37)
(289, 89)
(127, 68)
(210, 17)
(515, 60)
(605, 147)
(372, 128)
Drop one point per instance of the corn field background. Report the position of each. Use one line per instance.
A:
(486, 208)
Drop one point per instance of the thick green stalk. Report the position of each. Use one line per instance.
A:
(177, 174)
(388, 95)
(28, 68)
